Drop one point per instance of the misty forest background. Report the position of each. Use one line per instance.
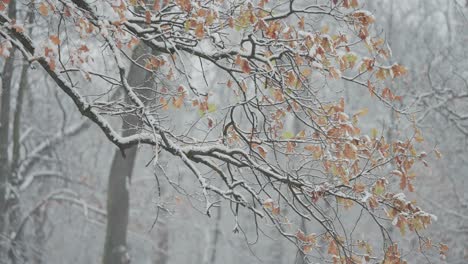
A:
(67, 160)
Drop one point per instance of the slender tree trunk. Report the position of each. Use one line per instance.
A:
(18, 250)
(4, 155)
(17, 118)
(162, 252)
(161, 234)
(211, 248)
(115, 248)
(39, 221)
(5, 94)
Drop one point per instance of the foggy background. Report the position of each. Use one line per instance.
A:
(68, 159)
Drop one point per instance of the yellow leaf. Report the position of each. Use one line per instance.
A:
(438, 154)
(268, 203)
(301, 134)
(418, 136)
(381, 74)
(306, 72)
(325, 29)
(362, 112)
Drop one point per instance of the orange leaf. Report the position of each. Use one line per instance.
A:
(275, 210)
(231, 22)
(278, 95)
(55, 39)
(335, 73)
(359, 187)
(245, 66)
(199, 31)
(52, 64)
(43, 9)
(290, 146)
(292, 79)
(398, 70)
(381, 74)
(148, 17)
(350, 151)
(332, 249)
(371, 88)
(83, 48)
(163, 102)
(301, 23)
(262, 151)
(307, 248)
(244, 86)
(178, 102)
(156, 6)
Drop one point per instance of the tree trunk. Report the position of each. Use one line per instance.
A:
(162, 252)
(17, 251)
(115, 248)
(5, 94)
(210, 254)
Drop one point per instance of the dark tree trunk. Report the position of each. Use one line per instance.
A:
(18, 249)
(115, 248)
